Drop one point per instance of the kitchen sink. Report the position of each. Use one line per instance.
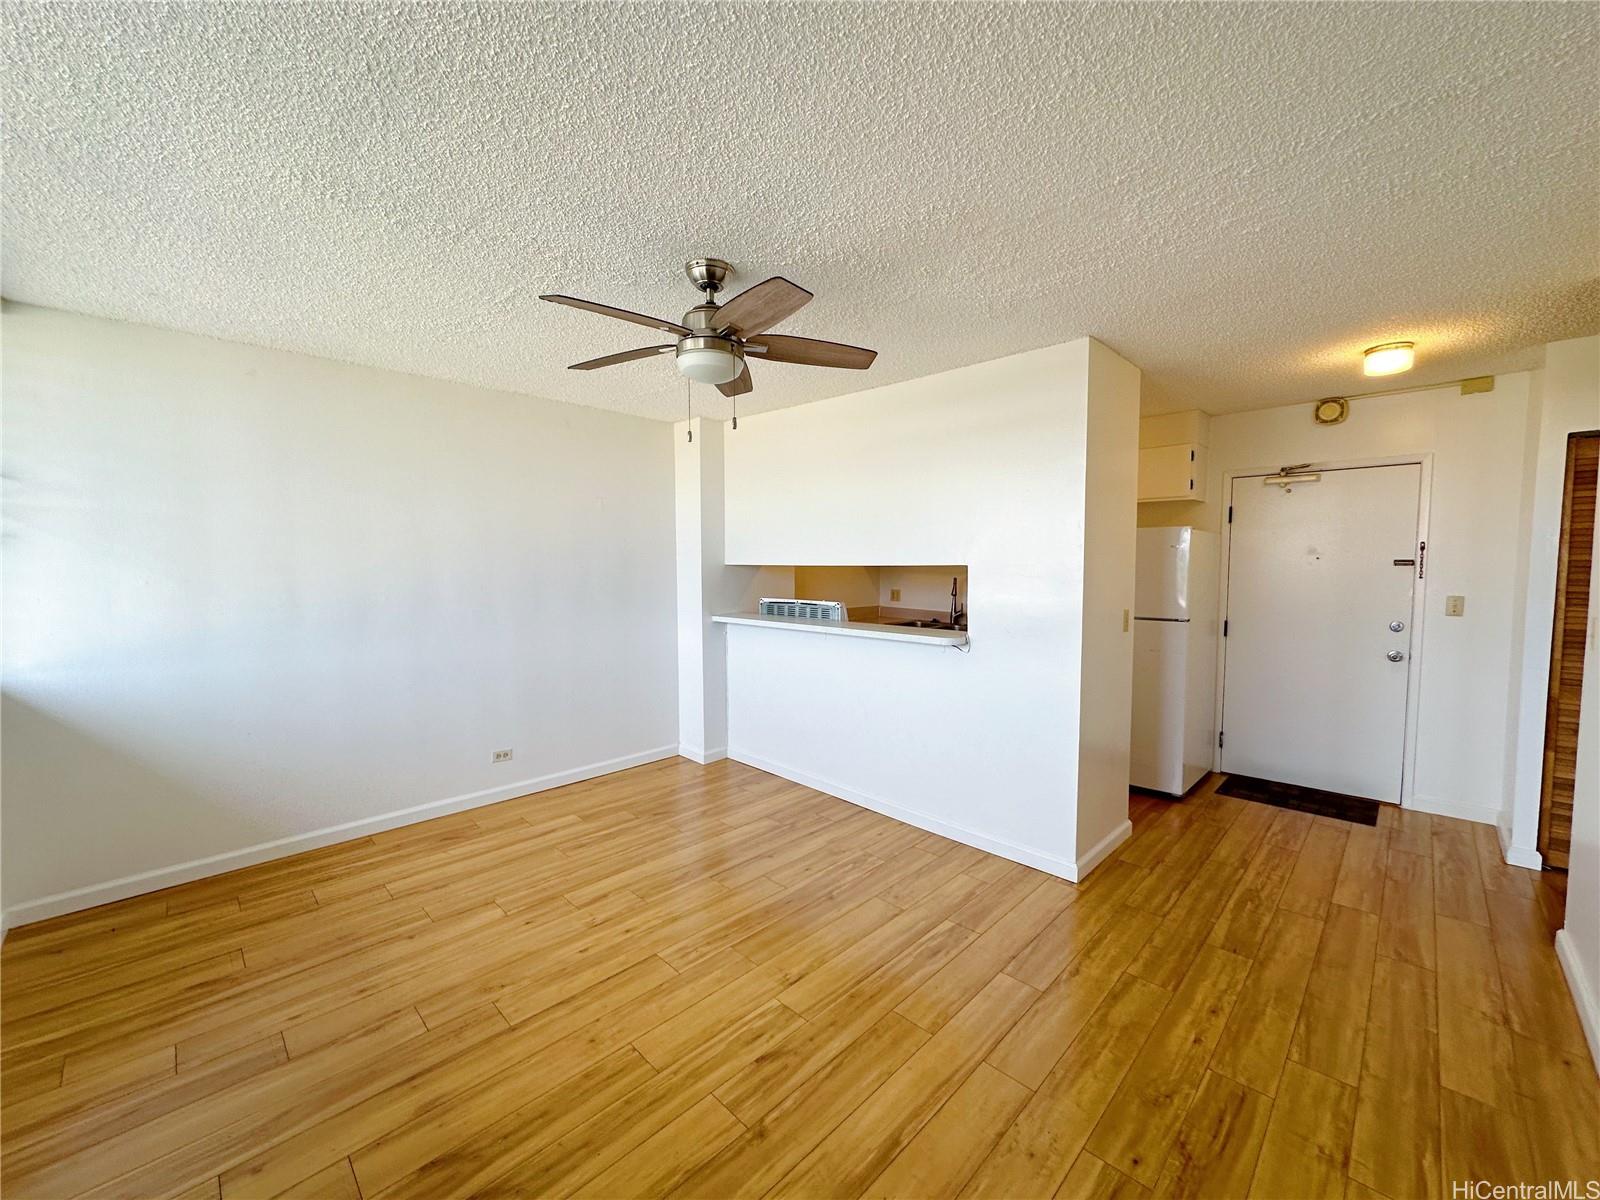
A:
(927, 625)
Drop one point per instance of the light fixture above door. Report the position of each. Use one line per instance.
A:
(1390, 358)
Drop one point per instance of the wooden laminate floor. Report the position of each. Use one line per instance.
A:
(706, 981)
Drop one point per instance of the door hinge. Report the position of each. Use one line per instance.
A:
(1191, 456)
(1224, 626)
(1191, 485)
(1219, 739)
(1422, 558)
(1230, 514)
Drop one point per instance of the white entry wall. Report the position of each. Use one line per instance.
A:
(1023, 469)
(1467, 664)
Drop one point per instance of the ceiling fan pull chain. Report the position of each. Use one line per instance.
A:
(688, 407)
(736, 412)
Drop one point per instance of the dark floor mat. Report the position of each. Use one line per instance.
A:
(1302, 799)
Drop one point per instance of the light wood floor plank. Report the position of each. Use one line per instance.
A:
(1137, 1130)
(1333, 1015)
(709, 981)
(1218, 1143)
(947, 1150)
(1035, 1154)
(1395, 1143)
(1255, 1042)
(1308, 1138)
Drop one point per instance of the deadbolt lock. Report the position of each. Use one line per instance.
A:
(1397, 626)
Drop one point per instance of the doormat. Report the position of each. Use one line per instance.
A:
(1311, 800)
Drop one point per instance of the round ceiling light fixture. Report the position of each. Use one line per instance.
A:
(1389, 359)
(712, 360)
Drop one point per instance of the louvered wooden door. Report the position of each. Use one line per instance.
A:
(1566, 649)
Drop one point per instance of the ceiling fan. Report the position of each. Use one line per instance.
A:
(714, 339)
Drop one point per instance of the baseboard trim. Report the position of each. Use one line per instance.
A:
(703, 757)
(1444, 808)
(1098, 852)
(1515, 855)
(1583, 994)
(1025, 855)
(232, 860)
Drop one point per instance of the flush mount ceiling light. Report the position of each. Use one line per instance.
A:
(1389, 359)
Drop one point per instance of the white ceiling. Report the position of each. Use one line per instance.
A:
(1237, 198)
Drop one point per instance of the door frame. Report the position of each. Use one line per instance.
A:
(1419, 606)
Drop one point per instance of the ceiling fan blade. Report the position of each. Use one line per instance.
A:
(811, 352)
(611, 360)
(762, 306)
(621, 314)
(739, 386)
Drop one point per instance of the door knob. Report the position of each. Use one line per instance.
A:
(1395, 656)
(1397, 626)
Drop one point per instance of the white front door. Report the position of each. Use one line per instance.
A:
(1317, 657)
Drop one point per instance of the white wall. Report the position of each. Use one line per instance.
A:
(1467, 663)
(1568, 400)
(984, 466)
(706, 586)
(1578, 943)
(927, 588)
(257, 601)
(1110, 552)
(855, 587)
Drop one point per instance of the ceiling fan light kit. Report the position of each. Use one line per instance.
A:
(712, 360)
(714, 339)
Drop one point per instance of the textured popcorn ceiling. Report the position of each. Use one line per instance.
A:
(1236, 198)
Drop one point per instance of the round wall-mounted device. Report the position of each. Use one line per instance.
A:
(1330, 411)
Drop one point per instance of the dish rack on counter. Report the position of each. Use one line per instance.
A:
(807, 610)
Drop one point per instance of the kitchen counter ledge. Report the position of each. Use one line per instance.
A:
(860, 629)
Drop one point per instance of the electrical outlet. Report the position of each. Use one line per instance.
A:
(502, 756)
(1455, 606)
(894, 594)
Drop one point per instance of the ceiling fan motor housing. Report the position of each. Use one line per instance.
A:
(710, 275)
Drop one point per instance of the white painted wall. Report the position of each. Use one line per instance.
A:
(1578, 943)
(984, 466)
(1467, 663)
(855, 587)
(1568, 400)
(922, 587)
(1110, 552)
(257, 601)
(707, 586)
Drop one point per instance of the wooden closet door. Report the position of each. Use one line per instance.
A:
(1566, 649)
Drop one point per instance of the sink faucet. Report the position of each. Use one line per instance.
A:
(956, 611)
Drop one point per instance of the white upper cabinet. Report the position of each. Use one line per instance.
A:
(1172, 456)
(1172, 473)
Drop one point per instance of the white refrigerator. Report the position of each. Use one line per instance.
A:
(1174, 658)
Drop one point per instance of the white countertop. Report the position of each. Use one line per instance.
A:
(860, 629)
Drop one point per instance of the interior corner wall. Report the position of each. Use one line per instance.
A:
(257, 602)
(1568, 402)
(1111, 489)
(986, 466)
(707, 586)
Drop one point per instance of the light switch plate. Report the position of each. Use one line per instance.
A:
(1455, 606)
